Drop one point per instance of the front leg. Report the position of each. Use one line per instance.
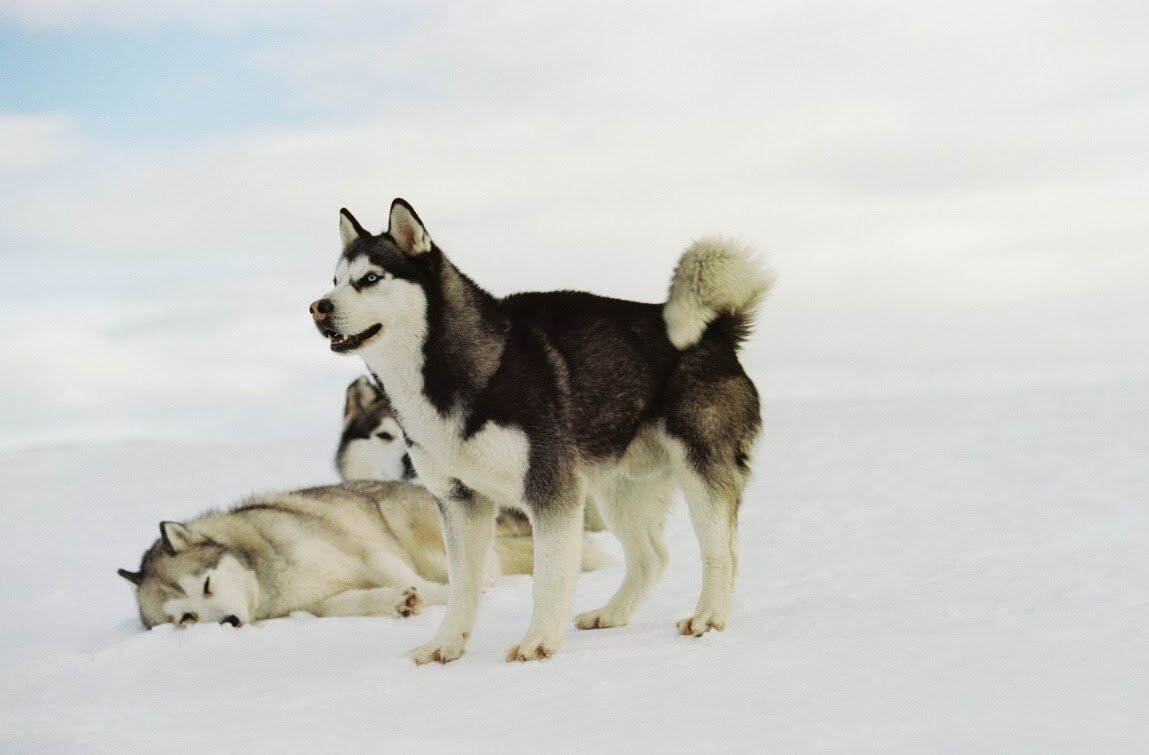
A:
(558, 532)
(375, 601)
(469, 532)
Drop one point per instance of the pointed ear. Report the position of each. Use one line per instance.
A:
(349, 228)
(407, 230)
(177, 537)
(134, 577)
(360, 394)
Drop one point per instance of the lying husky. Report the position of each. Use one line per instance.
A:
(371, 446)
(357, 549)
(533, 400)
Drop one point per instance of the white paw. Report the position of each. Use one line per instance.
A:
(409, 603)
(439, 652)
(532, 650)
(603, 618)
(702, 622)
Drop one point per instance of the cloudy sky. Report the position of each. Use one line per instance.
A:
(941, 187)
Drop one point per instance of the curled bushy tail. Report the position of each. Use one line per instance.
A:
(715, 277)
(517, 554)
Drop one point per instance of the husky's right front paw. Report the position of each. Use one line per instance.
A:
(438, 652)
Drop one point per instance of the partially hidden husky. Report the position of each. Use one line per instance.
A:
(532, 400)
(357, 549)
(372, 447)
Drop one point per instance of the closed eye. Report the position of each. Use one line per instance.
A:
(207, 587)
(386, 437)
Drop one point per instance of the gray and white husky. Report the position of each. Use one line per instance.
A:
(533, 400)
(358, 549)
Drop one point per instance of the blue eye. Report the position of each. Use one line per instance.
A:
(371, 277)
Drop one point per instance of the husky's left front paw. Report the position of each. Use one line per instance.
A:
(701, 623)
(409, 604)
(532, 650)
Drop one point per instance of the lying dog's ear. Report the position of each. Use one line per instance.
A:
(135, 577)
(177, 537)
(360, 394)
(349, 228)
(407, 230)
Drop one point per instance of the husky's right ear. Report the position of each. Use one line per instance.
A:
(407, 229)
(349, 228)
(135, 577)
(360, 394)
(177, 537)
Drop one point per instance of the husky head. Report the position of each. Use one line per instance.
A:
(187, 578)
(379, 285)
(372, 445)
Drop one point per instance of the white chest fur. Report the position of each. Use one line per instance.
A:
(493, 460)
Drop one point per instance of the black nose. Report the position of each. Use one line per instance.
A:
(320, 309)
(233, 620)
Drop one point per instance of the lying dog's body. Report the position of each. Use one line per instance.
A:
(357, 549)
(535, 400)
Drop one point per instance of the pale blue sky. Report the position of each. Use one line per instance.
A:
(150, 86)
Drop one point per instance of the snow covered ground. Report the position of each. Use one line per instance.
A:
(936, 572)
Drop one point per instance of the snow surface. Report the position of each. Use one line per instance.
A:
(936, 572)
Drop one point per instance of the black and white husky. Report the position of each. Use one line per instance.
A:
(532, 400)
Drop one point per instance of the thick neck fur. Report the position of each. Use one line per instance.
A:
(455, 357)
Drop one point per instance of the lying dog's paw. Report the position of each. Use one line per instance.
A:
(438, 652)
(409, 603)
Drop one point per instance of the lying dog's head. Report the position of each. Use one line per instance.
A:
(372, 445)
(187, 578)
(380, 281)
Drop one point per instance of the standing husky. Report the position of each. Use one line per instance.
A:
(357, 549)
(533, 400)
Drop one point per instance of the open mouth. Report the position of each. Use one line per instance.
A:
(342, 342)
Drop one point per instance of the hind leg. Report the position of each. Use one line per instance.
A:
(635, 512)
(712, 424)
(713, 505)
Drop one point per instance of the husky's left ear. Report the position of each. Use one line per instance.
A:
(407, 230)
(135, 577)
(177, 537)
(349, 228)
